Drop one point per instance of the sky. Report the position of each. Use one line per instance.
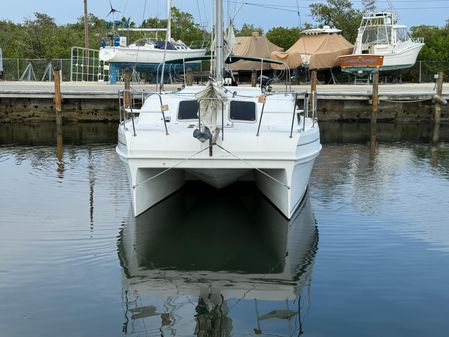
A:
(261, 13)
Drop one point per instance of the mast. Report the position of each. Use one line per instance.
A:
(219, 60)
(168, 20)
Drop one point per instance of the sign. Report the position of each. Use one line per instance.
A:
(361, 61)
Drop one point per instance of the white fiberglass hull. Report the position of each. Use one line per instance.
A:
(282, 180)
(393, 59)
(159, 163)
(146, 55)
(403, 58)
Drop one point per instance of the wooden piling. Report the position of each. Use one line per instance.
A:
(189, 77)
(437, 111)
(313, 80)
(375, 97)
(374, 108)
(313, 84)
(127, 96)
(57, 99)
(254, 78)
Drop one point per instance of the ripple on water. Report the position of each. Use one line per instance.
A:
(60, 213)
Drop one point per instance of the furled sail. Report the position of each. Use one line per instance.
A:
(211, 100)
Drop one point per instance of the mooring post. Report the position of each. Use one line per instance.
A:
(57, 99)
(437, 112)
(375, 97)
(374, 107)
(254, 78)
(313, 83)
(127, 96)
(313, 80)
(189, 77)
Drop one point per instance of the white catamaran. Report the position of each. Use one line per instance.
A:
(219, 134)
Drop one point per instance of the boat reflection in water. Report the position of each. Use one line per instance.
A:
(228, 264)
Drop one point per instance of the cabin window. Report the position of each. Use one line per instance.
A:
(401, 35)
(188, 109)
(242, 111)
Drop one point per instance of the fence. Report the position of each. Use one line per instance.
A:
(80, 68)
(86, 65)
(83, 65)
(421, 72)
(34, 69)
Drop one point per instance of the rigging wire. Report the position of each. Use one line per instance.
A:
(294, 9)
(299, 15)
(144, 10)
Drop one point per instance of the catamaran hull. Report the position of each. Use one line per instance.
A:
(283, 182)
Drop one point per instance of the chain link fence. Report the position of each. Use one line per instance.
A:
(41, 70)
(34, 69)
(424, 71)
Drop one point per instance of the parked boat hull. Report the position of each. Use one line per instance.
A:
(283, 180)
(146, 56)
(391, 61)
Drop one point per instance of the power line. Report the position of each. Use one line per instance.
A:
(285, 8)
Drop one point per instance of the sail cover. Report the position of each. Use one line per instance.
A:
(316, 51)
(211, 100)
(253, 46)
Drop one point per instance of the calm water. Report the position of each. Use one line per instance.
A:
(366, 255)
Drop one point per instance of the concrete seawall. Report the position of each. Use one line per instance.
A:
(33, 101)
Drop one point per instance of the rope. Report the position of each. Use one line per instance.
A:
(206, 148)
(170, 168)
(253, 167)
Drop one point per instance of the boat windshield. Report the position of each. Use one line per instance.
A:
(401, 35)
(376, 35)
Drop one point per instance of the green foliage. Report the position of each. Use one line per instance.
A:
(283, 37)
(338, 14)
(247, 30)
(436, 41)
(184, 27)
(41, 37)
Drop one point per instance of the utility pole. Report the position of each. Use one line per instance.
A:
(86, 26)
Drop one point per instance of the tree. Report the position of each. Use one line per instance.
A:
(283, 37)
(339, 14)
(369, 6)
(247, 30)
(184, 28)
(436, 40)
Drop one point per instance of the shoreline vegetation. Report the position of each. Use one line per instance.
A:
(41, 37)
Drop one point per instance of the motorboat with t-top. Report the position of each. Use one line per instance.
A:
(383, 44)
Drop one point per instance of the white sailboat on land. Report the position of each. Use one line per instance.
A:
(219, 134)
(148, 53)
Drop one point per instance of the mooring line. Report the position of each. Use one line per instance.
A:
(170, 168)
(253, 167)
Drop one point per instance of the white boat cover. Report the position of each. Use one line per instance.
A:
(317, 51)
